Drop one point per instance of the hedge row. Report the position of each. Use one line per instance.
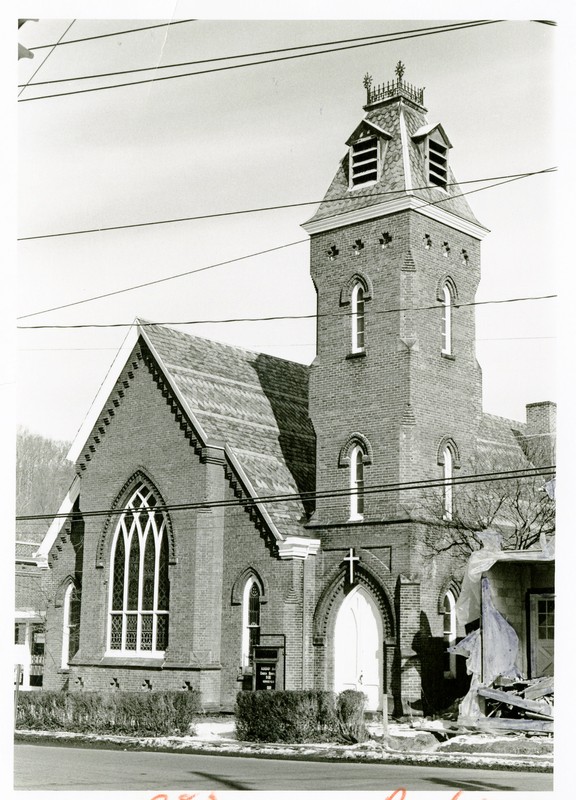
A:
(142, 713)
(300, 716)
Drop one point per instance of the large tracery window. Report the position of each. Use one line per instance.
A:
(139, 584)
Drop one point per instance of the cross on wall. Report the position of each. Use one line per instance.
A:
(351, 559)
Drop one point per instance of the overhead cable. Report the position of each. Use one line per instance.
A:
(379, 36)
(158, 78)
(239, 258)
(102, 229)
(280, 317)
(485, 477)
(114, 33)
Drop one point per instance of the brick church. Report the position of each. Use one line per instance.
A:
(238, 521)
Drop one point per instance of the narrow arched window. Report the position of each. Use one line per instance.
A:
(357, 483)
(446, 320)
(449, 617)
(70, 624)
(448, 469)
(139, 584)
(358, 319)
(250, 620)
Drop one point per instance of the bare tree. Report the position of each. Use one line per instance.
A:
(42, 474)
(517, 506)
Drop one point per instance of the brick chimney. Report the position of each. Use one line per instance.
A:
(541, 431)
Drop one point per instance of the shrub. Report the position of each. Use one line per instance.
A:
(139, 713)
(290, 716)
(300, 716)
(350, 716)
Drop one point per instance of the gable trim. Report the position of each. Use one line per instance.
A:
(103, 393)
(58, 523)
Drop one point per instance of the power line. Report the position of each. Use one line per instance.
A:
(46, 59)
(283, 344)
(503, 178)
(168, 278)
(281, 316)
(485, 477)
(241, 258)
(114, 33)
(441, 29)
(380, 36)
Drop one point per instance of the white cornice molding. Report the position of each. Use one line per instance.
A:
(298, 547)
(404, 203)
(41, 555)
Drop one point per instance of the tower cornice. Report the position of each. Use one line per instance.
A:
(404, 203)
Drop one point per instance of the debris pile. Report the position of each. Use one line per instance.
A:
(520, 700)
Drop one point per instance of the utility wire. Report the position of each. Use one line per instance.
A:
(380, 36)
(240, 258)
(281, 316)
(114, 33)
(485, 477)
(47, 57)
(258, 63)
(503, 178)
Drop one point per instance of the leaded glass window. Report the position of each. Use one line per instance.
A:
(140, 589)
(251, 620)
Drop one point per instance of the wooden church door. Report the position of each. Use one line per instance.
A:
(358, 647)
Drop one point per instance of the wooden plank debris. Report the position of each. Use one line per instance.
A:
(543, 709)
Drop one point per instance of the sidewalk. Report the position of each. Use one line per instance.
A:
(403, 745)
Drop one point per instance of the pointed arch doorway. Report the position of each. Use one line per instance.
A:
(358, 647)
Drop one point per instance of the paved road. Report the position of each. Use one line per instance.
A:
(68, 768)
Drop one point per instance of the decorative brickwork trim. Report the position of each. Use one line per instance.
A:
(174, 405)
(355, 440)
(449, 585)
(100, 429)
(61, 590)
(363, 280)
(448, 441)
(240, 583)
(251, 509)
(140, 476)
(446, 280)
(334, 591)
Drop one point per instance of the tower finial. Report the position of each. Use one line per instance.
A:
(400, 70)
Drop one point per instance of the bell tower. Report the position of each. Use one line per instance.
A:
(395, 394)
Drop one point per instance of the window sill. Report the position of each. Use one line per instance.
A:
(357, 354)
(125, 660)
(449, 356)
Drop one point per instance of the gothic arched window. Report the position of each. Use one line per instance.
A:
(139, 584)
(250, 619)
(446, 320)
(357, 457)
(448, 470)
(357, 311)
(70, 624)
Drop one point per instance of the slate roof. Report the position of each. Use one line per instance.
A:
(501, 441)
(254, 403)
(339, 199)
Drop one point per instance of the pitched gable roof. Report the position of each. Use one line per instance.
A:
(252, 405)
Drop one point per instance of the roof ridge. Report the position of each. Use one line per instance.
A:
(193, 336)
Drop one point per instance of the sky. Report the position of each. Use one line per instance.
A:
(261, 136)
(252, 137)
